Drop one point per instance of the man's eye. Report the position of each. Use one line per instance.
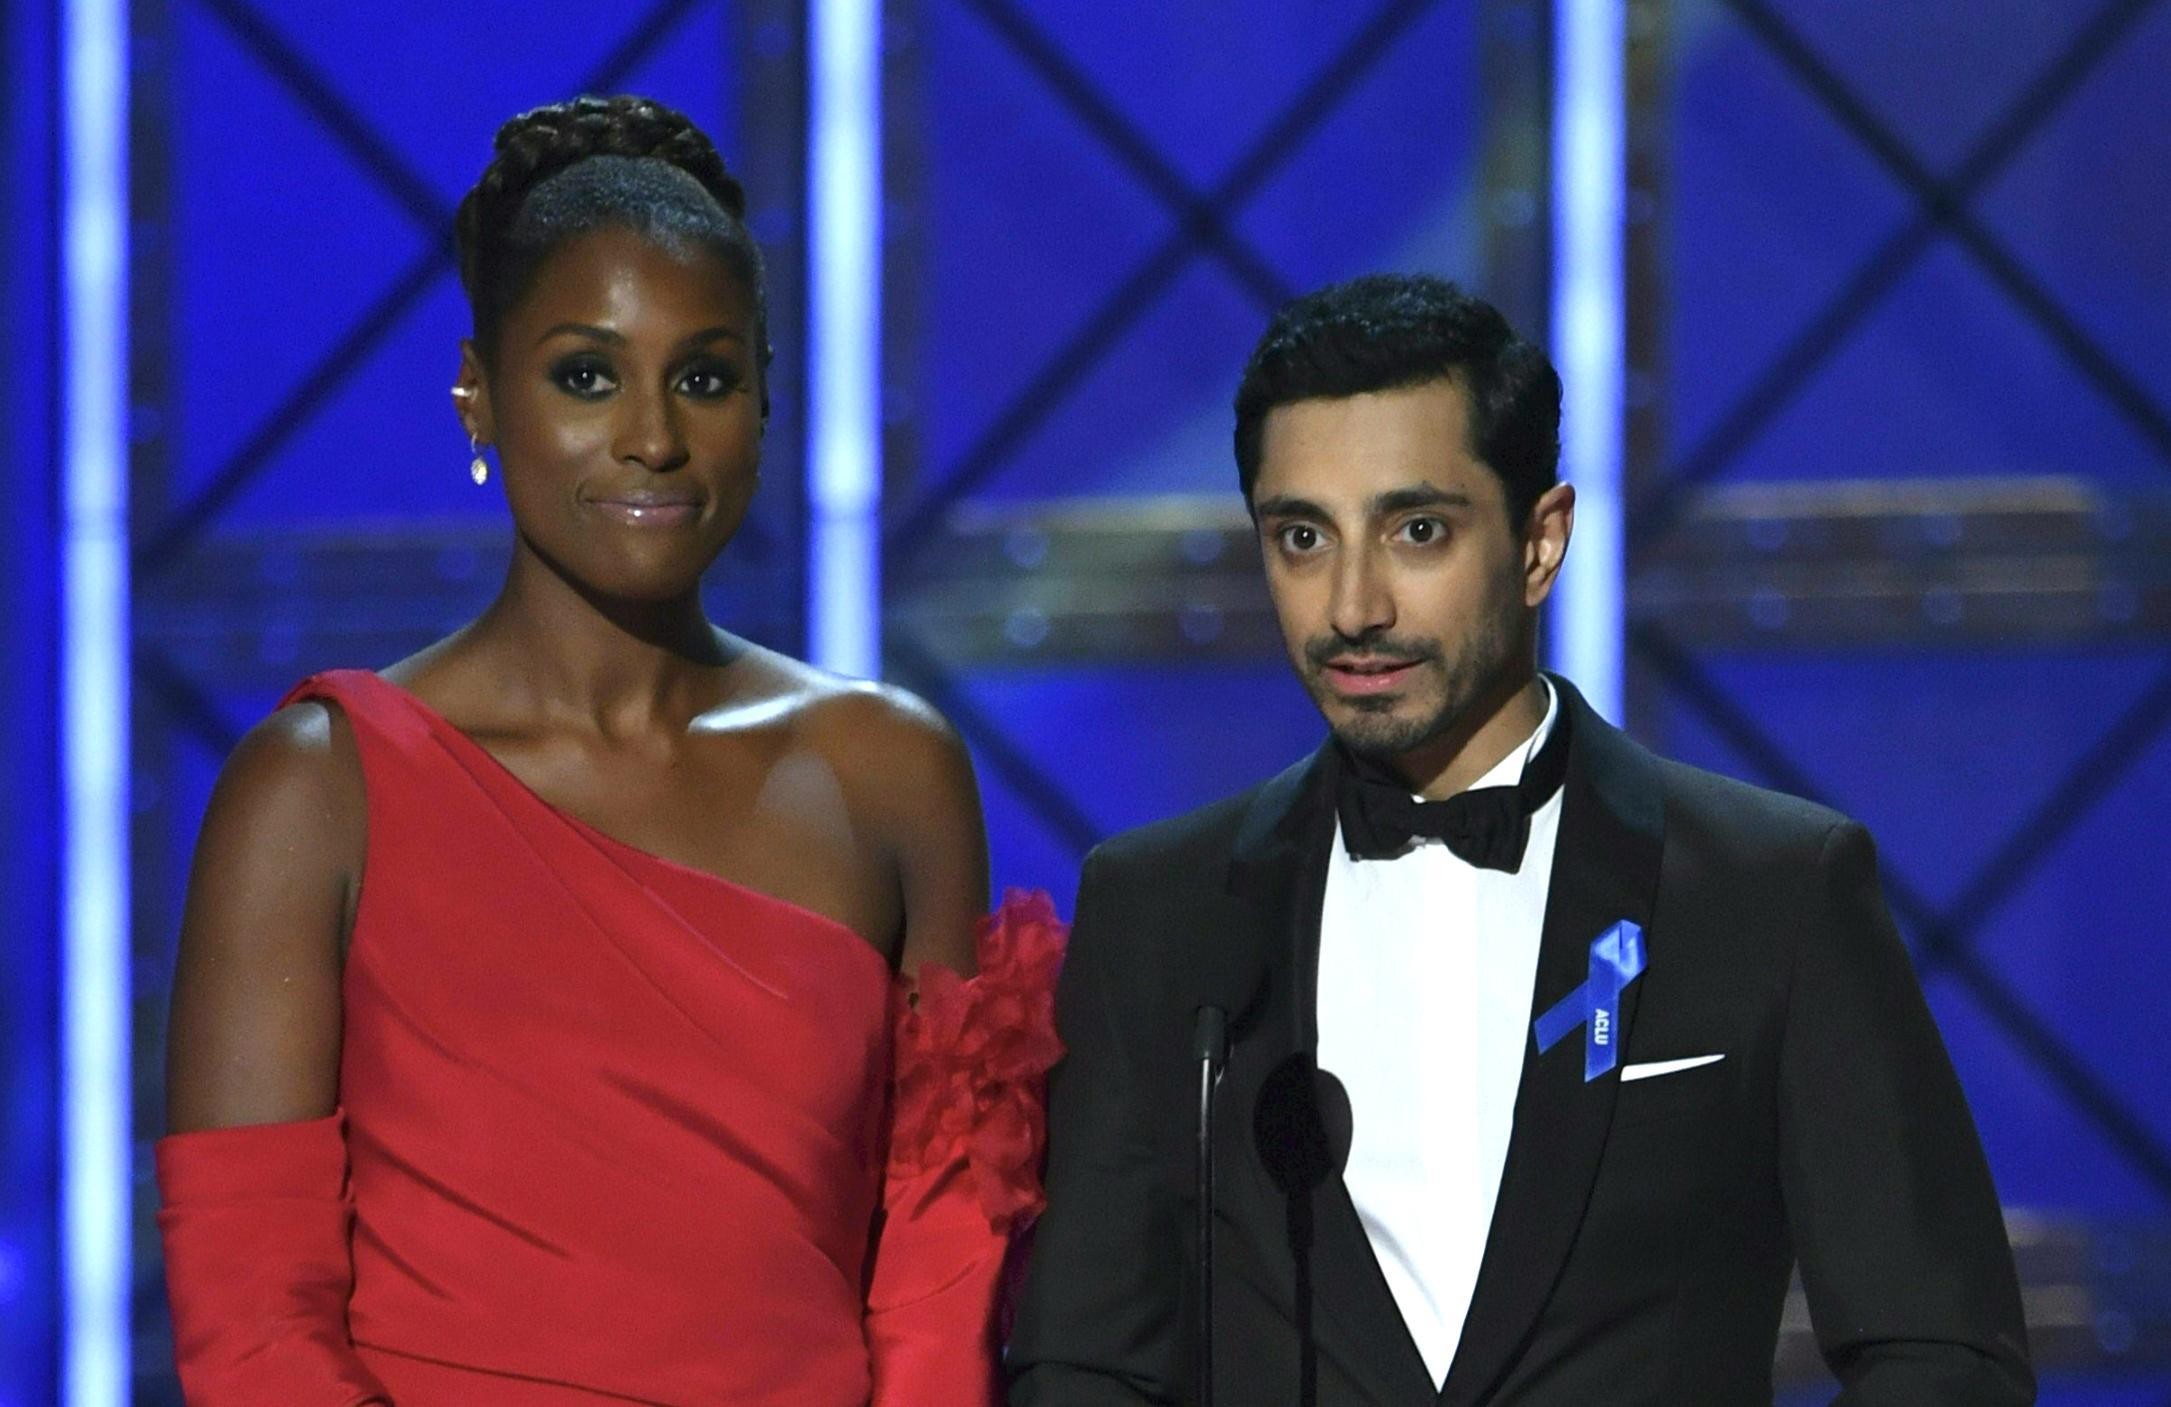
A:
(1299, 537)
(1423, 531)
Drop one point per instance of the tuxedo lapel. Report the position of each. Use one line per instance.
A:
(1279, 865)
(1605, 869)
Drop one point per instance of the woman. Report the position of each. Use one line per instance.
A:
(534, 1021)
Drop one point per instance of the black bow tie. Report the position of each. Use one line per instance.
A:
(1488, 827)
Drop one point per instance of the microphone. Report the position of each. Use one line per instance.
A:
(1210, 1048)
(1229, 979)
(1301, 1127)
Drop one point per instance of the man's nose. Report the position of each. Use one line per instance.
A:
(1362, 602)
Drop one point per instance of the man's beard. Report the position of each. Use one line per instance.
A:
(1371, 727)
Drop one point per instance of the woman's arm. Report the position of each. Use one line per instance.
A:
(255, 1024)
(966, 1117)
(931, 804)
(252, 1176)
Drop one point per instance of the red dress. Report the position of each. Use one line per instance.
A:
(612, 1129)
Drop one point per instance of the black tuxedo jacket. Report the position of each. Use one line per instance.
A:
(1641, 1244)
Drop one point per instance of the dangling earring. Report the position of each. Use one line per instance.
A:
(478, 469)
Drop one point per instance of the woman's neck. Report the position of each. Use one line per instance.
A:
(620, 666)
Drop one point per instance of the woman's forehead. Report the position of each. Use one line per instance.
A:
(622, 278)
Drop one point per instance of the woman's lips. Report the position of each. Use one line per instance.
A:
(647, 510)
(1362, 678)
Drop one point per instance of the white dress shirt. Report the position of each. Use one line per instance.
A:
(1426, 968)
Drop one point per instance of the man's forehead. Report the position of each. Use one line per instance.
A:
(1441, 399)
(1354, 449)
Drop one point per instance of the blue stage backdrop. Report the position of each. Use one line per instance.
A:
(1906, 293)
(1900, 363)
(1102, 216)
(29, 841)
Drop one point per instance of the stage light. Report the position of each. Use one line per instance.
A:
(1588, 335)
(94, 706)
(845, 347)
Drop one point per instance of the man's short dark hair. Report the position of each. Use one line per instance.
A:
(1385, 332)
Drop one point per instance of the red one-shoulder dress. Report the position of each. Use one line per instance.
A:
(612, 1130)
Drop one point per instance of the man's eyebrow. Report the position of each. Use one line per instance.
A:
(1417, 496)
(1283, 505)
(1402, 500)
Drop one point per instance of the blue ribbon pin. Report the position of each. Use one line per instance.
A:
(1617, 959)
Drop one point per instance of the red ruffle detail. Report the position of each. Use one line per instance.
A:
(973, 1055)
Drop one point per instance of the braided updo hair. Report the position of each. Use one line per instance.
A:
(598, 163)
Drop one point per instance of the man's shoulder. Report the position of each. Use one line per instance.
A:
(1741, 820)
(1206, 835)
(1738, 816)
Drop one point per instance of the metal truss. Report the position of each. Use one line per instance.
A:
(1942, 210)
(1945, 939)
(1205, 228)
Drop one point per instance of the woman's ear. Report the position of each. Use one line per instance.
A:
(471, 396)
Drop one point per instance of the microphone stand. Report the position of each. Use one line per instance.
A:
(1210, 1047)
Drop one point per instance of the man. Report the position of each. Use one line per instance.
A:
(1548, 1057)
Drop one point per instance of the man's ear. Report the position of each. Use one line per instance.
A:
(471, 396)
(1545, 541)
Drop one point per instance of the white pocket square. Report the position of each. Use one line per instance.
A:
(1666, 1067)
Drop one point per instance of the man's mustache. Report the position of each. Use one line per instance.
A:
(1380, 648)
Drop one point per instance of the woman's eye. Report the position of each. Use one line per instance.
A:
(709, 382)
(587, 379)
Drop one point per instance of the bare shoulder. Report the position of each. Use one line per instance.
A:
(297, 769)
(908, 780)
(288, 818)
(255, 1022)
(878, 737)
(896, 735)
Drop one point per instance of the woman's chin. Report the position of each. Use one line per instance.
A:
(638, 584)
